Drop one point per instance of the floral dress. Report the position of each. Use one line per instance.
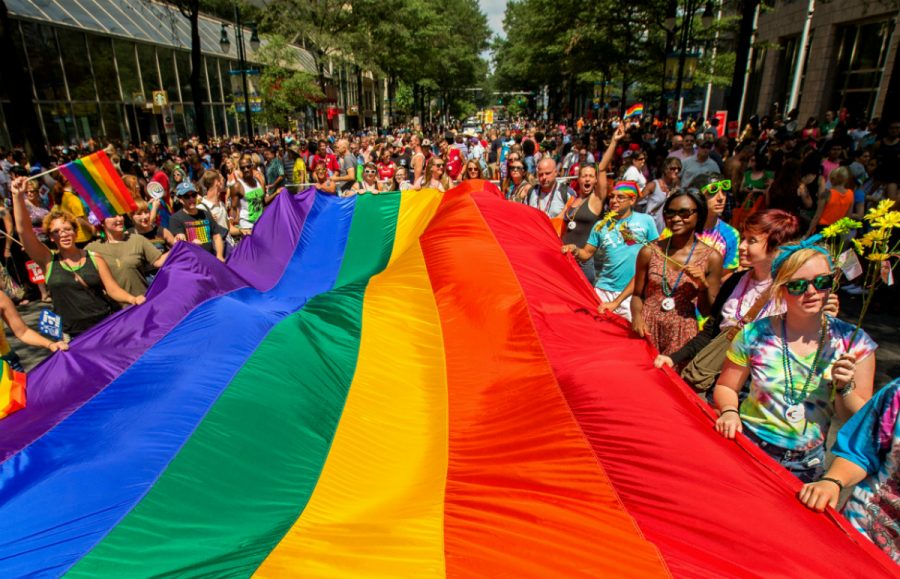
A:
(670, 329)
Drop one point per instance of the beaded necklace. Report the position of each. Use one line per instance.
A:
(790, 390)
(669, 292)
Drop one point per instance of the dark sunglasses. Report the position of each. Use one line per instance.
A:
(797, 287)
(438, 165)
(243, 167)
(676, 169)
(517, 168)
(683, 213)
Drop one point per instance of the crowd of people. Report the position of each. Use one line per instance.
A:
(706, 244)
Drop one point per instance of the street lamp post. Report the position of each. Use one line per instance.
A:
(242, 60)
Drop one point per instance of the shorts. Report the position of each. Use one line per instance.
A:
(807, 465)
(624, 308)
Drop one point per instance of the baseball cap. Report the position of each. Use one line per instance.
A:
(185, 188)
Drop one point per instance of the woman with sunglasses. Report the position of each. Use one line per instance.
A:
(472, 170)
(657, 191)
(803, 365)
(248, 194)
(322, 180)
(370, 183)
(675, 277)
(400, 182)
(435, 177)
(633, 167)
(79, 281)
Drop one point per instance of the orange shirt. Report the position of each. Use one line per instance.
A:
(838, 206)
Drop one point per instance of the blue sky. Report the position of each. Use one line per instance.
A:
(493, 9)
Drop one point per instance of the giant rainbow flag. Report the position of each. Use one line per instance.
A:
(394, 385)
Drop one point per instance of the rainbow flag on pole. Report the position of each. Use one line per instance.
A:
(99, 184)
(635, 110)
(12, 390)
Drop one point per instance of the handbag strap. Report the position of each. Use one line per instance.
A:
(758, 304)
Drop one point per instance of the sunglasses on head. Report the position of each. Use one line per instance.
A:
(713, 189)
(797, 287)
(683, 213)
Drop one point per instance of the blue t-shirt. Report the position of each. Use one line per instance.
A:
(618, 245)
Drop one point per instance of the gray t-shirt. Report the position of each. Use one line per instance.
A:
(691, 167)
(348, 161)
(551, 203)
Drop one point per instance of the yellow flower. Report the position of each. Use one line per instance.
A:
(880, 211)
(607, 219)
(840, 227)
(874, 236)
(888, 221)
(878, 256)
(860, 248)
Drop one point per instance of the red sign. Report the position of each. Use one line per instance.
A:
(723, 120)
(733, 129)
(35, 273)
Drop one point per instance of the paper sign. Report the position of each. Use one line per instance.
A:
(50, 324)
(849, 264)
(155, 190)
(35, 273)
(887, 274)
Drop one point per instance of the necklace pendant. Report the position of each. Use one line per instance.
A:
(795, 413)
(668, 304)
(571, 225)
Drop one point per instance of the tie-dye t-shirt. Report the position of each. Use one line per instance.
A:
(871, 440)
(725, 239)
(764, 412)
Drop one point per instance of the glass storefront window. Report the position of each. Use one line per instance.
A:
(149, 73)
(43, 58)
(58, 123)
(184, 75)
(114, 121)
(862, 51)
(128, 71)
(215, 83)
(167, 70)
(78, 69)
(87, 120)
(104, 67)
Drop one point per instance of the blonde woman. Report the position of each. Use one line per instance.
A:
(803, 366)
(435, 176)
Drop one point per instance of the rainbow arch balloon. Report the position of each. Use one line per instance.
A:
(394, 385)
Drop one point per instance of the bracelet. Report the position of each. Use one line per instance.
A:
(835, 481)
(722, 412)
(847, 389)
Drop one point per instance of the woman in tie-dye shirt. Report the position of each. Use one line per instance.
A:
(803, 366)
(867, 454)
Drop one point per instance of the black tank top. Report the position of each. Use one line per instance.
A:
(584, 220)
(77, 294)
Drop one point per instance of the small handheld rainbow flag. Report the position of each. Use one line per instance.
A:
(12, 390)
(635, 110)
(99, 184)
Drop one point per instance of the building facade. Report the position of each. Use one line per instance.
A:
(96, 64)
(850, 61)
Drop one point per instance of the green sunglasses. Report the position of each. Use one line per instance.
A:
(713, 189)
(797, 287)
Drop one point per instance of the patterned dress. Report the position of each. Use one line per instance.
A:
(871, 440)
(670, 330)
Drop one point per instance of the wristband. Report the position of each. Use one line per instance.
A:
(835, 481)
(847, 389)
(722, 412)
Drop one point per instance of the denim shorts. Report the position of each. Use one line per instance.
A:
(807, 465)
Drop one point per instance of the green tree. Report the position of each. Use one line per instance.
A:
(284, 86)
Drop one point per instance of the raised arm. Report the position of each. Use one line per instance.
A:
(611, 149)
(36, 250)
